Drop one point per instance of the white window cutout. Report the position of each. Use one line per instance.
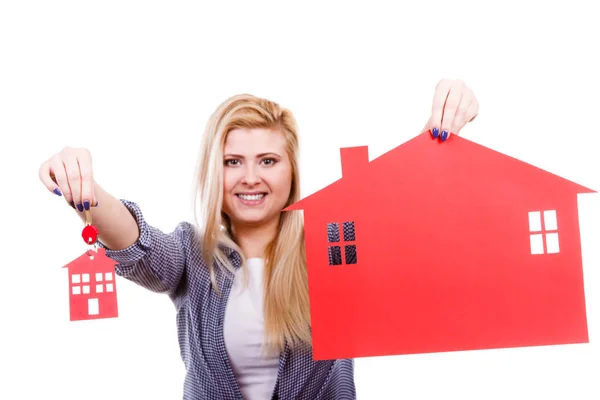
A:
(109, 287)
(535, 221)
(552, 246)
(550, 220)
(75, 278)
(85, 277)
(547, 232)
(93, 307)
(98, 276)
(86, 289)
(108, 276)
(76, 289)
(99, 288)
(536, 243)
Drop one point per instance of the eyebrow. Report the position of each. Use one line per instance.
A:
(258, 155)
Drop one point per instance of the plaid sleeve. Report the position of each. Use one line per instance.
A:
(156, 261)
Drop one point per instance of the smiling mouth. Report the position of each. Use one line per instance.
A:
(251, 197)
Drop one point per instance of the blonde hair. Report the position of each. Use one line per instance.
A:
(286, 301)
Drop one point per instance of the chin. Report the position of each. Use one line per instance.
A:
(251, 218)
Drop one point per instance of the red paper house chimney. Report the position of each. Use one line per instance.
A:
(354, 160)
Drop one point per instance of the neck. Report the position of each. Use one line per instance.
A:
(254, 239)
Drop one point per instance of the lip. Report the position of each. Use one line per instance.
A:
(251, 202)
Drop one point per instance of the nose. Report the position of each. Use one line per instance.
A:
(251, 176)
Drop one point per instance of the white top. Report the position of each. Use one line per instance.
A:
(243, 328)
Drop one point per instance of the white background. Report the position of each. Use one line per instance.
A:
(135, 81)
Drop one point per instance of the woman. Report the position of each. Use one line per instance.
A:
(238, 276)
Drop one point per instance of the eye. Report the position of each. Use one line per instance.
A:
(269, 161)
(231, 161)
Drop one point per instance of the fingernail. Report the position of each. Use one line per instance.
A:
(72, 204)
(435, 132)
(86, 205)
(444, 135)
(96, 203)
(80, 207)
(57, 192)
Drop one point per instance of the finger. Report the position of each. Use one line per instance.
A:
(45, 176)
(74, 179)
(472, 111)
(437, 109)
(454, 98)
(460, 118)
(58, 175)
(84, 161)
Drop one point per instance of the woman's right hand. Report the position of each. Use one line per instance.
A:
(69, 174)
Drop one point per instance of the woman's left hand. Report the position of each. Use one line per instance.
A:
(454, 106)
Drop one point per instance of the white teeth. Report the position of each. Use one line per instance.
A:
(251, 197)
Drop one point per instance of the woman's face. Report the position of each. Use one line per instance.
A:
(257, 176)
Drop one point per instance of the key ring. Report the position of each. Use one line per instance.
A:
(90, 235)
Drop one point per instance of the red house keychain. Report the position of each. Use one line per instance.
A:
(92, 285)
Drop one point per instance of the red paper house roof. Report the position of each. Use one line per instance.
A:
(408, 169)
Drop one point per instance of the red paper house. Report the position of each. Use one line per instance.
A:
(437, 247)
(92, 287)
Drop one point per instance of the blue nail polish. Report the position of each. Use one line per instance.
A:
(435, 132)
(80, 207)
(57, 192)
(444, 135)
(86, 205)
